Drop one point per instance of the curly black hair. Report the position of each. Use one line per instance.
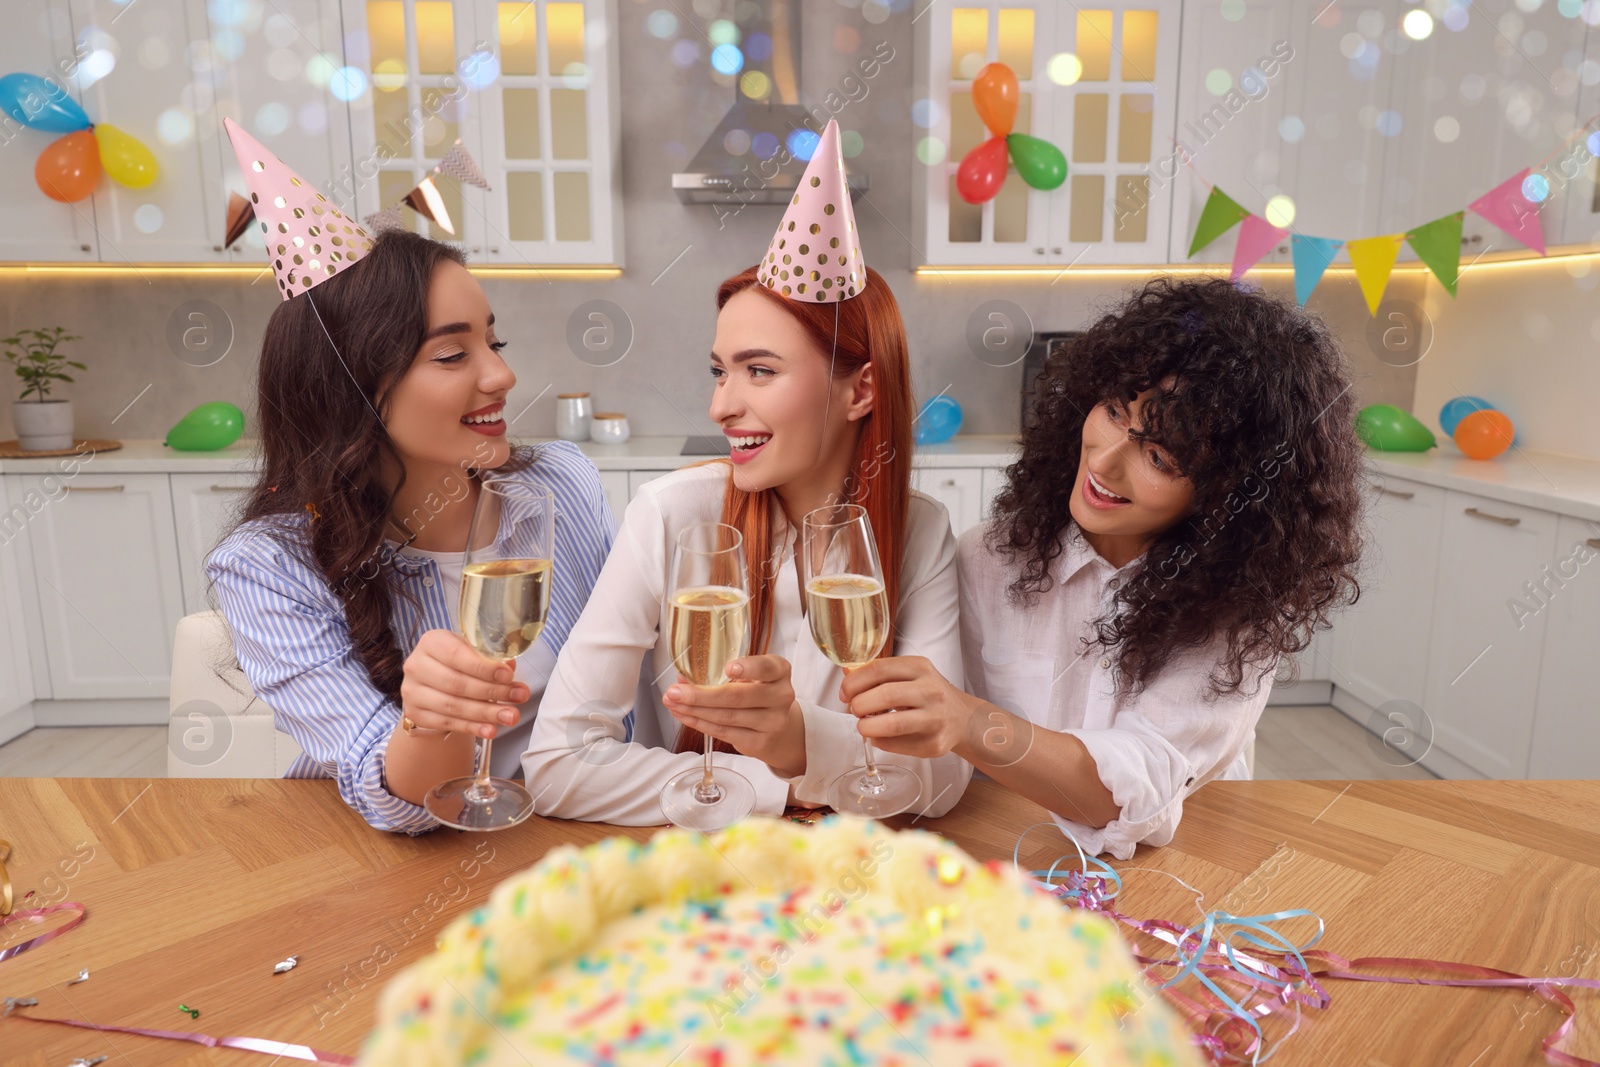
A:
(1252, 399)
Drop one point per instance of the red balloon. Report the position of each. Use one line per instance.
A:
(995, 95)
(983, 171)
(69, 167)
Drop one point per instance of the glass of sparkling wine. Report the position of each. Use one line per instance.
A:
(505, 598)
(848, 607)
(708, 609)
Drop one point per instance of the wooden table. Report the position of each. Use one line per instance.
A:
(195, 888)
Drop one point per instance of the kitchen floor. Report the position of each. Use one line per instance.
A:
(1291, 742)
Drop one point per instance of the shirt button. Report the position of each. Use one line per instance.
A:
(1105, 661)
(1114, 582)
(427, 583)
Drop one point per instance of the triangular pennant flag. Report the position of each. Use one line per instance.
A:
(1311, 258)
(1507, 208)
(461, 166)
(387, 219)
(1219, 216)
(1438, 244)
(426, 201)
(1256, 238)
(241, 213)
(1373, 259)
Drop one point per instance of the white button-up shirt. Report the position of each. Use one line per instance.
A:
(1151, 750)
(575, 764)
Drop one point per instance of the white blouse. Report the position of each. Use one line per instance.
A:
(1151, 750)
(576, 764)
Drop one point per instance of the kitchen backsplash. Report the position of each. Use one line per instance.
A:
(137, 387)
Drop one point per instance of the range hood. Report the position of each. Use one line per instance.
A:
(717, 176)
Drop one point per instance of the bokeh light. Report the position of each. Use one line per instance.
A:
(175, 126)
(1233, 10)
(755, 84)
(846, 39)
(736, 142)
(148, 218)
(320, 68)
(1389, 123)
(347, 83)
(723, 31)
(1446, 128)
(727, 59)
(661, 23)
(764, 145)
(802, 143)
(1218, 82)
(930, 151)
(389, 76)
(925, 113)
(272, 118)
(1292, 129)
(1536, 188)
(1417, 24)
(758, 48)
(685, 53)
(1064, 68)
(1280, 211)
(851, 143)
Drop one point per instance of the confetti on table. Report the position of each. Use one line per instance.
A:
(193, 1013)
(283, 966)
(82, 1062)
(83, 976)
(17, 1002)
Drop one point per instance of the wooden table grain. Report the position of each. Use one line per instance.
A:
(196, 887)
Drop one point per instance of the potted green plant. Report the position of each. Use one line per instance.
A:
(43, 424)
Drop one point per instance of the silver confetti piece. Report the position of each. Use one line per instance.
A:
(81, 1062)
(17, 1002)
(283, 966)
(83, 976)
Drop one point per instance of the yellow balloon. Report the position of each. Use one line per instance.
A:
(125, 159)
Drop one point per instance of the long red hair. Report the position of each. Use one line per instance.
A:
(865, 329)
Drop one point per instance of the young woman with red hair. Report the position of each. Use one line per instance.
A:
(815, 400)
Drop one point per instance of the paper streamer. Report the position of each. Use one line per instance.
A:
(38, 915)
(1256, 238)
(282, 1049)
(1311, 258)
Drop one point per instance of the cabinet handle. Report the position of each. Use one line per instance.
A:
(1055, 251)
(1593, 542)
(949, 483)
(93, 488)
(1501, 519)
(1386, 491)
(230, 488)
(1038, 251)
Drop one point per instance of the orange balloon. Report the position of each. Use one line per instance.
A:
(995, 95)
(69, 167)
(1485, 434)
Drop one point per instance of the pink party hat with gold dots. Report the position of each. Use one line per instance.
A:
(308, 239)
(816, 253)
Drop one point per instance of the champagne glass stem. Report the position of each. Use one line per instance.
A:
(708, 787)
(481, 789)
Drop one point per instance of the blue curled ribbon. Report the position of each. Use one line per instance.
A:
(1086, 887)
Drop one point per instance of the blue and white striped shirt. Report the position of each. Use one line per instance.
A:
(291, 639)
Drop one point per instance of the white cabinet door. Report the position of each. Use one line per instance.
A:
(615, 485)
(1566, 730)
(1234, 86)
(638, 478)
(1483, 662)
(1460, 96)
(1575, 167)
(38, 40)
(267, 90)
(106, 560)
(1382, 651)
(16, 684)
(205, 507)
(992, 481)
(180, 217)
(959, 489)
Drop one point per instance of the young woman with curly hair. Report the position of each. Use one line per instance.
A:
(1185, 513)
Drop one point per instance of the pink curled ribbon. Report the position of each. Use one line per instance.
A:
(37, 915)
(247, 1044)
(1226, 1028)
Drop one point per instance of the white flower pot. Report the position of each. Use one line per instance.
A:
(42, 426)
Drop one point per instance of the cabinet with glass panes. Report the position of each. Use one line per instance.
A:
(529, 87)
(1099, 82)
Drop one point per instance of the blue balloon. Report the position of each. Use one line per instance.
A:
(1458, 408)
(32, 101)
(938, 421)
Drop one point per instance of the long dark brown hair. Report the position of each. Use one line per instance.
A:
(1252, 399)
(329, 362)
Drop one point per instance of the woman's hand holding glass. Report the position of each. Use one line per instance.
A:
(449, 687)
(931, 716)
(755, 712)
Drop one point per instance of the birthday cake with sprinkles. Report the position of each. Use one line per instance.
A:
(843, 943)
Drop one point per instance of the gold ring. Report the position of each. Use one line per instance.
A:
(406, 724)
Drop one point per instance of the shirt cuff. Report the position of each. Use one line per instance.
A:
(1148, 786)
(381, 808)
(772, 792)
(829, 734)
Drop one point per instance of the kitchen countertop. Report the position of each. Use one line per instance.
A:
(1568, 485)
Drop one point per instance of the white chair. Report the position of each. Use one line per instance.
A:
(216, 728)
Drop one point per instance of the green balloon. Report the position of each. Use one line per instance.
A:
(1391, 429)
(208, 427)
(1040, 163)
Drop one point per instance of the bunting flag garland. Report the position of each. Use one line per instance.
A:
(461, 167)
(241, 213)
(1220, 215)
(387, 219)
(1507, 207)
(1438, 244)
(425, 200)
(1311, 258)
(1373, 258)
(1256, 238)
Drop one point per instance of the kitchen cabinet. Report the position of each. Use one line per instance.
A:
(530, 87)
(959, 489)
(204, 508)
(105, 583)
(993, 482)
(1484, 657)
(1383, 639)
(1577, 168)
(180, 217)
(1477, 106)
(615, 486)
(16, 686)
(1566, 730)
(1098, 82)
(38, 39)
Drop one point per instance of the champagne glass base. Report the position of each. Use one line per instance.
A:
(684, 804)
(457, 803)
(894, 790)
